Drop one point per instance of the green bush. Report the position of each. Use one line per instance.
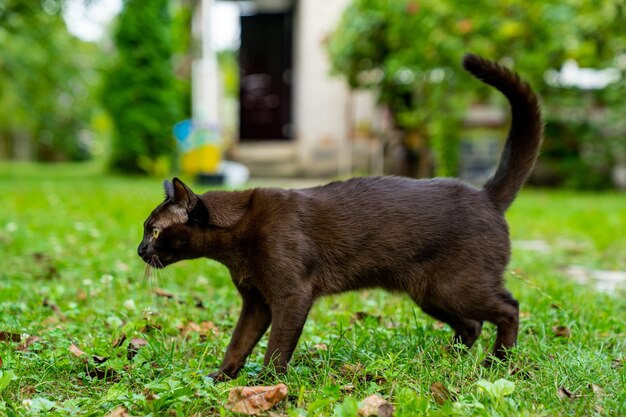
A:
(140, 91)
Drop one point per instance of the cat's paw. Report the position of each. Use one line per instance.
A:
(218, 376)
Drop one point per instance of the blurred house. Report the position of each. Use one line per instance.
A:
(294, 117)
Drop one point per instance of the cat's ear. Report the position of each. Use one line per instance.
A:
(182, 195)
(169, 189)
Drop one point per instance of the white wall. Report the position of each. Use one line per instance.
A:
(319, 100)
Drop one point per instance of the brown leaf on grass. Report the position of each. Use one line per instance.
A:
(119, 341)
(347, 388)
(1, 362)
(439, 325)
(81, 295)
(205, 329)
(618, 363)
(74, 350)
(47, 270)
(107, 374)
(375, 405)
(55, 308)
(358, 371)
(98, 360)
(198, 303)
(151, 396)
(94, 372)
(255, 400)
(134, 346)
(441, 393)
(565, 393)
(562, 331)
(362, 315)
(352, 369)
(597, 390)
(10, 337)
(23, 347)
(120, 411)
(321, 346)
(160, 292)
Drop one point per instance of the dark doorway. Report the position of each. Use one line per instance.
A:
(265, 65)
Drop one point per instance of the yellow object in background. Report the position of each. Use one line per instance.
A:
(204, 159)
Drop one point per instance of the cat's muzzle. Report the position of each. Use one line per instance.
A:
(149, 256)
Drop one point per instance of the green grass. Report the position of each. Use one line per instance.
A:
(69, 235)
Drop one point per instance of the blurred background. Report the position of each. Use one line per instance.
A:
(310, 88)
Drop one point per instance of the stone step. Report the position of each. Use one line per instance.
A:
(268, 158)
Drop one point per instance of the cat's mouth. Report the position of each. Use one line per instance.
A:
(155, 262)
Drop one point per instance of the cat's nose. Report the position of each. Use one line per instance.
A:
(141, 250)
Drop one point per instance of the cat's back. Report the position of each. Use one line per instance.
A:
(397, 194)
(401, 206)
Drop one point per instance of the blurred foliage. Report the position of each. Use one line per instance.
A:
(47, 76)
(182, 12)
(410, 51)
(228, 62)
(140, 91)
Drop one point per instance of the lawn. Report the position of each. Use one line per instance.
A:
(105, 337)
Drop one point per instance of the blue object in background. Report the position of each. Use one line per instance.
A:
(182, 131)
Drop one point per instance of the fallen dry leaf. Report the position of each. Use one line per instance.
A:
(23, 347)
(562, 331)
(358, 371)
(350, 369)
(76, 351)
(565, 393)
(107, 374)
(134, 346)
(362, 315)
(55, 308)
(98, 360)
(597, 390)
(120, 411)
(198, 302)
(347, 388)
(160, 292)
(81, 295)
(204, 329)
(441, 393)
(321, 346)
(151, 396)
(1, 362)
(119, 341)
(375, 405)
(255, 400)
(10, 337)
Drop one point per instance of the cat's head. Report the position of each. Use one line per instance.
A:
(180, 226)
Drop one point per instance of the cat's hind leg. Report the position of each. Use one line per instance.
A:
(466, 330)
(504, 313)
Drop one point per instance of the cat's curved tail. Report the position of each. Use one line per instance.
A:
(525, 134)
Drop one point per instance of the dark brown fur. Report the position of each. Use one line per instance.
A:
(443, 242)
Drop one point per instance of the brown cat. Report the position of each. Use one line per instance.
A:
(443, 242)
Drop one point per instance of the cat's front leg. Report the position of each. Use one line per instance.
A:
(254, 319)
(289, 314)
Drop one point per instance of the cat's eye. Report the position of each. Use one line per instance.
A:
(155, 233)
